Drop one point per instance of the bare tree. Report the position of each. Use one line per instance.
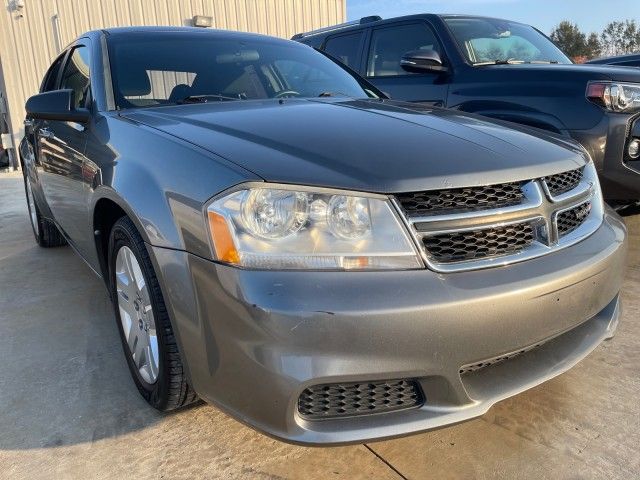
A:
(620, 37)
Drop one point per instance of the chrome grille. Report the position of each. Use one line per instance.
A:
(548, 214)
(476, 244)
(571, 219)
(339, 400)
(563, 182)
(461, 199)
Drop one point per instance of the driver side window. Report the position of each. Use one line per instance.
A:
(389, 44)
(51, 78)
(75, 75)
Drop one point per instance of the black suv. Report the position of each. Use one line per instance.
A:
(505, 70)
(628, 60)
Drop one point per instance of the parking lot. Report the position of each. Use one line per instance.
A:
(69, 406)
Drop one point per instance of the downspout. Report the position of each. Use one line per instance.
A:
(6, 138)
(55, 24)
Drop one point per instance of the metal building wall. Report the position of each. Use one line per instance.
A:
(32, 35)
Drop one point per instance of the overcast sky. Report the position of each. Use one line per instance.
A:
(590, 15)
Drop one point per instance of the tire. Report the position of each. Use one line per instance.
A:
(626, 209)
(137, 299)
(44, 230)
(4, 159)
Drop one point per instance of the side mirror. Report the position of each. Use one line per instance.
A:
(56, 105)
(422, 61)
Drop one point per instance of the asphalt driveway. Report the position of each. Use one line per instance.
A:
(68, 408)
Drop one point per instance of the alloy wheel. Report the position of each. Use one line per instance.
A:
(136, 314)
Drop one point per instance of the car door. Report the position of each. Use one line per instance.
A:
(49, 83)
(60, 147)
(387, 45)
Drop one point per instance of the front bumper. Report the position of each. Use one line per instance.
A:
(252, 341)
(607, 144)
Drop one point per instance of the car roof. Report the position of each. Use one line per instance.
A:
(372, 21)
(185, 31)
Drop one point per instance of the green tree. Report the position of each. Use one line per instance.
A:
(570, 39)
(594, 47)
(575, 43)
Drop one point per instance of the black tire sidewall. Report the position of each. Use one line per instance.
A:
(122, 235)
(37, 236)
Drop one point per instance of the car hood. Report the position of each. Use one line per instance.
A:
(588, 71)
(367, 145)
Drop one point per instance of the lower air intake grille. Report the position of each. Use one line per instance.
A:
(569, 220)
(474, 367)
(461, 199)
(478, 244)
(563, 182)
(349, 399)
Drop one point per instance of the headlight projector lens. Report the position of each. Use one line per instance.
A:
(634, 148)
(274, 213)
(349, 217)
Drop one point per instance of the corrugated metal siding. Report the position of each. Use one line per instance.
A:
(30, 38)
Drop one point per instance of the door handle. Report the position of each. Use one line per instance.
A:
(46, 133)
(28, 123)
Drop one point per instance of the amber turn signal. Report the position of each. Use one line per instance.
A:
(222, 239)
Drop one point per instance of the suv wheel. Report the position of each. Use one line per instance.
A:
(145, 330)
(46, 233)
(625, 209)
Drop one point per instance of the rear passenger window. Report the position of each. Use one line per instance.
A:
(388, 45)
(345, 48)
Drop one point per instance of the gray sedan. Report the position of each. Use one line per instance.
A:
(321, 262)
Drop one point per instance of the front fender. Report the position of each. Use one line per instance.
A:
(160, 181)
(516, 114)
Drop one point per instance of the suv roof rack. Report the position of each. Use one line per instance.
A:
(340, 26)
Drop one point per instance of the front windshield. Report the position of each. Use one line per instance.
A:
(153, 69)
(489, 41)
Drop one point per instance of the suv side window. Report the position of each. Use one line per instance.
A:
(51, 77)
(345, 48)
(76, 75)
(390, 43)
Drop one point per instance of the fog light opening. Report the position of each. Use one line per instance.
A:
(633, 150)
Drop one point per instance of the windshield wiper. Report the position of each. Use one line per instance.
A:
(333, 94)
(509, 61)
(205, 98)
(513, 61)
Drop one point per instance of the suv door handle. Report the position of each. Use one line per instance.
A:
(46, 133)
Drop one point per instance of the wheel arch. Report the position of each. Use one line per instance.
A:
(515, 113)
(536, 120)
(107, 209)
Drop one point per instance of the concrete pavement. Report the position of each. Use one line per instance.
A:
(68, 408)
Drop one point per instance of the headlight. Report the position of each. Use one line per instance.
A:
(288, 227)
(616, 97)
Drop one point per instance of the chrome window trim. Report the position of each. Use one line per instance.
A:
(539, 208)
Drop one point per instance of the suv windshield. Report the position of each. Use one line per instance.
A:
(151, 69)
(489, 41)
